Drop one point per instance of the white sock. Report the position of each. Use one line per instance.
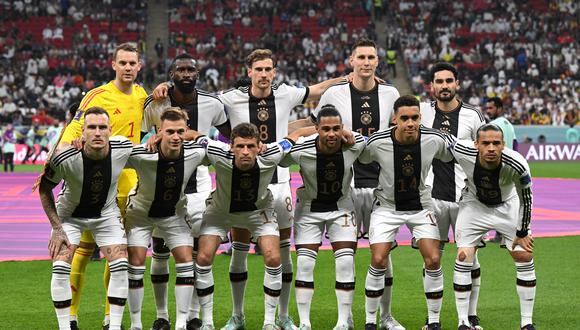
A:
(374, 287)
(136, 274)
(462, 286)
(306, 260)
(475, 286)
(344, 286)
(159, 282)
(118, 291)
(286, 278)
(387, 296)
(433, 285)
(272, 288)
(204, 287)
(61, 293)
(239, 275)
(184, 282)
(526, 287)
(194, 306)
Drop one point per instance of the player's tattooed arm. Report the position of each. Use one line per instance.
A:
(58, 237)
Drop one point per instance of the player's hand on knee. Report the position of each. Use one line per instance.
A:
(527, 243)
(58, 243)
(160, 92)
(151, 144)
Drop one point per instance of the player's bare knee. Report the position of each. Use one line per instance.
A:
(270, 251)
(65, 254)
(182, 254)
(432, 261)
(114, 252)
(203, 258)
(461, 255)
(522, 256)
(379, 260)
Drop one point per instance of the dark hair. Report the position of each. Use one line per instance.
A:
(443, 66)
(128, 47)
(327, 110)
(496, 101)
(405, 101)
(259, 55)
(245, 131)
(96, 111)
(184, 56)
(173, 114)
(72, 111)
(363, 43)
(489, 127)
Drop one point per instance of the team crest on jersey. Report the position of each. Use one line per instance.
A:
(486, 182)
(366, 118)
(246, 181)
(330, 175)
(263, 114)
(170, 181)
(408, 169)
(97, 185)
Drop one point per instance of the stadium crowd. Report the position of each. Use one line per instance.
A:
(524, 52)
(52, 52)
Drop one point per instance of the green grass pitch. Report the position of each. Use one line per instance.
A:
(26, 300)
(26, 294)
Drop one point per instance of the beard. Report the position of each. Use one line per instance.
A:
(185, 88)
(446, 98)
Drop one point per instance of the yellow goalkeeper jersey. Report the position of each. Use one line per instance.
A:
(125, 112)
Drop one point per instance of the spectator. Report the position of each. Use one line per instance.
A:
(8, 147)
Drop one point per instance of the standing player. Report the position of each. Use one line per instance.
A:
(159, 202)
(242, 198)
(325, 202)
(123, 100)
(87, 203)
(204, 111)
(405, 154)
(268, 107)
(498, 182)
(366, 106)
(494, 111)
(451, 115)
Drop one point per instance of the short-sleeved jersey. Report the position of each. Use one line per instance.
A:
(242, 191)
(462, 123)
(494, 187)
(326, 178)
(404, 167)
(204, 112)
(90, 186)
(364, 113)
(509, 134)
(125, 111)
(162, 182)
(270, 114)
